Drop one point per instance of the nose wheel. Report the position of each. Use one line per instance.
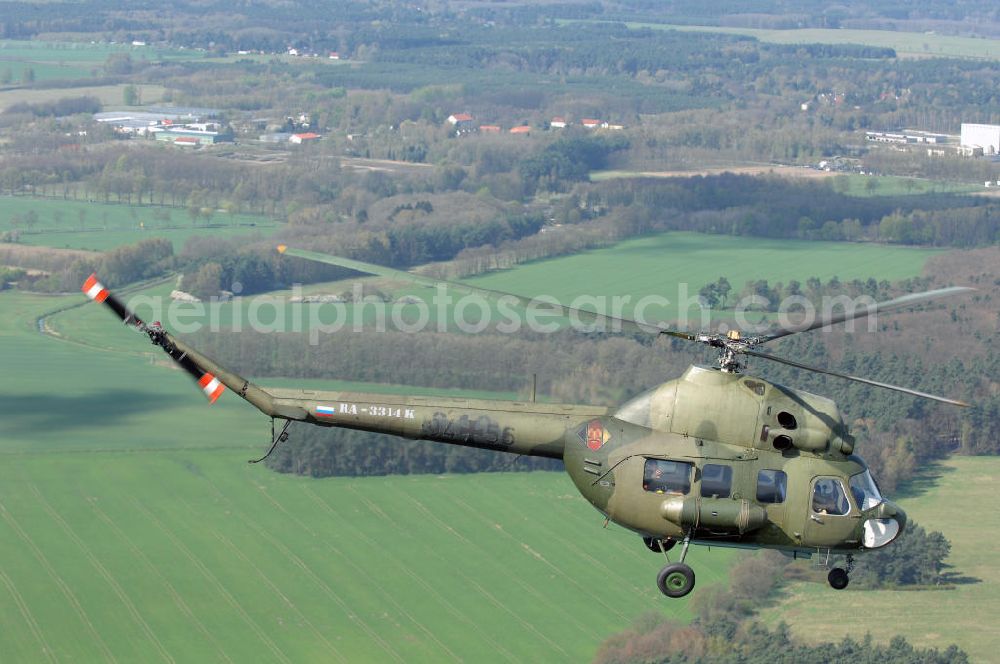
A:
(838, 578)
(676, 579)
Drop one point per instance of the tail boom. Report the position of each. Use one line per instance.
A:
(531, 429)
(526, 428)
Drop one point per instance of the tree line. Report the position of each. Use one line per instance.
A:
(724, 630)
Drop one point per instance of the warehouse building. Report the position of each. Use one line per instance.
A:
(195, 136)
(981, 139)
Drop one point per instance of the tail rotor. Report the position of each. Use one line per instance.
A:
(211, 386)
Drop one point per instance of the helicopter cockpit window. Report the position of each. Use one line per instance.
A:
(716, 481)
(663, 476)
(866, 493)
(829, 497)
(772, 486)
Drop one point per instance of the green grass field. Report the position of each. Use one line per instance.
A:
(75, 60)
(108, 95)
(964, 614)
(849, 184)
(98, 226)
(14, 70)
(656, 265)
(891, 185)
(196, 556)
(134, 530)
(912, 44)
(83, 53)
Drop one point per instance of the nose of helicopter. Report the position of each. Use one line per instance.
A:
(888, 523)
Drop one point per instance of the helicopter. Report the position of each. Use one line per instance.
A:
(714, 457)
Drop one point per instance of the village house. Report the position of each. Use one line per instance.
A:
(460, 120)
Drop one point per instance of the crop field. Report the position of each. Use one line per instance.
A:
(964, 613)
(98, 226)
(134, 530)
(912, 44)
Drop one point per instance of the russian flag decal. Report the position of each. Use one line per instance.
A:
(326, 411)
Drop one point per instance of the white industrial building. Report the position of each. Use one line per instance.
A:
(976, 137)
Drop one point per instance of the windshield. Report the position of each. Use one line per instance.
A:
(865, 491)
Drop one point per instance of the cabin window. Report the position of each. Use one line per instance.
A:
(829, 497)
(866, 493)
(716, 481)
(772, 486)
(663, 476)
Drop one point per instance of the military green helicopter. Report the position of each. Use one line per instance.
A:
(715, 457)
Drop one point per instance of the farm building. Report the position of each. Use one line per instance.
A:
(307, 137)
(191, 136)
(981, 136)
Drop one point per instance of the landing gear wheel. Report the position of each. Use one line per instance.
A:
(838, 578)
(654, 544)
(675, 580)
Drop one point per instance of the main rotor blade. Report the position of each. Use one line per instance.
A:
(877, 308)
(588, 317)
(857, 379)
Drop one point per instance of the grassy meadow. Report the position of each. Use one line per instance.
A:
(70, 224)
(134, 530)
(944, 499)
